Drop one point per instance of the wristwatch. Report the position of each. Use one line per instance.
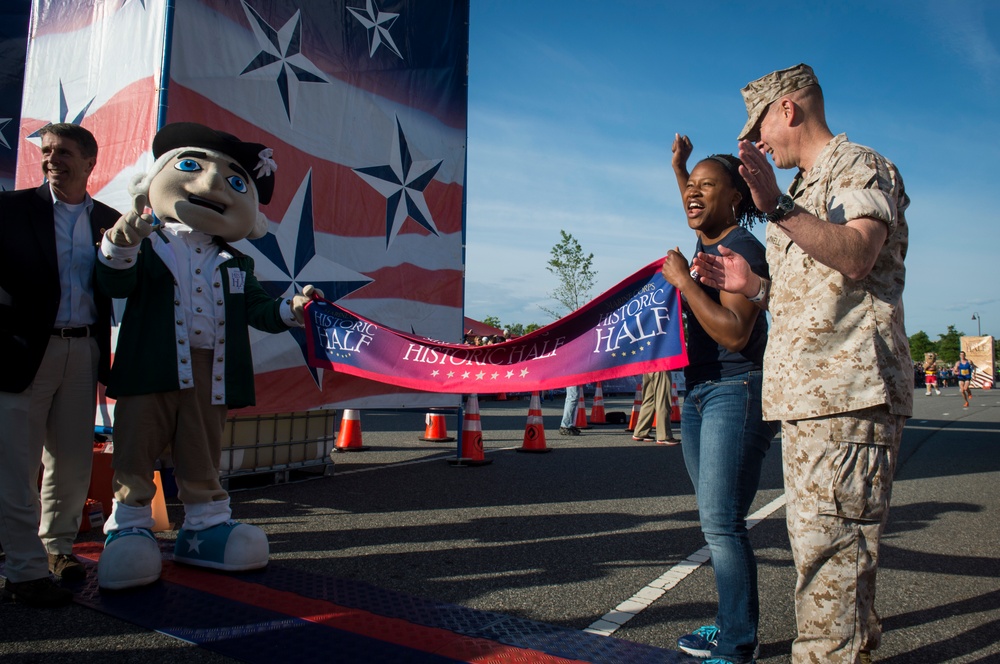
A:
(784, 207)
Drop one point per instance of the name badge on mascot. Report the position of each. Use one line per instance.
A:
(237, 280)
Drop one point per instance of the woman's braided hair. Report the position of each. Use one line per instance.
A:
(747, 213)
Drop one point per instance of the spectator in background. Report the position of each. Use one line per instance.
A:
(568, 425)
(655, 405)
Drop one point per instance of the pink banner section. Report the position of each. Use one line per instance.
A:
(633, 328)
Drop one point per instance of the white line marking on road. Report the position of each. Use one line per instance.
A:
(634, 605)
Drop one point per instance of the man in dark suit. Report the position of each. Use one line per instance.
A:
(55, 346)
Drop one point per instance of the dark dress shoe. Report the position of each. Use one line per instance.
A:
(41, 593)
(67, 567)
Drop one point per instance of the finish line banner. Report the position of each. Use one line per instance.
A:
(631, 329)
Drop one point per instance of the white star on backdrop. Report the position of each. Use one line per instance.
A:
(64, 112)
(285, 261)
(3, 139)
(377, 23)
(402, 182)
(280, 56)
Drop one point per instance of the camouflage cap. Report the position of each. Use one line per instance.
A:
(759, 94)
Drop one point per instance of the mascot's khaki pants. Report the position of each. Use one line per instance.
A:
(838, 481)
(183, 420)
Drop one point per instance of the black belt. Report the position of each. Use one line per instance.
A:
(71, 332)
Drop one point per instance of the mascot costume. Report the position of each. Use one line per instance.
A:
(183, 353)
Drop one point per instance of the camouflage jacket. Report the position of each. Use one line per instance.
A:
(837, 344)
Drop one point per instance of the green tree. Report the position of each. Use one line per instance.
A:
(518, 329)
(920, 344)
(493, 321)
(949, 344)
(575, 273)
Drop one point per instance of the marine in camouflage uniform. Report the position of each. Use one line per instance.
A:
(837, 370)
(837, 374)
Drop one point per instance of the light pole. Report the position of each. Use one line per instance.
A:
(979, 323)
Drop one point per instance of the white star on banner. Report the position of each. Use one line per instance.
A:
(64, 112)
(286, 260)
(280, 56)
(3, 139)
(377, 23)
(402, 182)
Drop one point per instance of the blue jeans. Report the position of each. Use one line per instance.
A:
(569, 408)
(724, 442)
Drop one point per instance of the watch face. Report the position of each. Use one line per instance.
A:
(784, 205)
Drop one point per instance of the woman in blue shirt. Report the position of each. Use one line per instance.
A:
(723, 434)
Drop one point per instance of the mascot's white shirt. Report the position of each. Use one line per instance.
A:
(195, 270)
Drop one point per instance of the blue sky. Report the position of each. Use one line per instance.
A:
(573, 105)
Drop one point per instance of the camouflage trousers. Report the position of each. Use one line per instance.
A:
(838, 481)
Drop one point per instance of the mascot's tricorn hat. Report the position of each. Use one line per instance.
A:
(254, 158)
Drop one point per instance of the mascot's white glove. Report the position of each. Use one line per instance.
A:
(299, 302)
(133, 226)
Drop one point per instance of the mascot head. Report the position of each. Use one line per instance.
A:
(208, 180)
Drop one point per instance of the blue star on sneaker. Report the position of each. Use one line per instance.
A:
(230, 546)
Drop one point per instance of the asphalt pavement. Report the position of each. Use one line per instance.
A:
(600, 534)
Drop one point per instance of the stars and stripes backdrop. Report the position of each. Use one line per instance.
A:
(13, 41)
(364, 103)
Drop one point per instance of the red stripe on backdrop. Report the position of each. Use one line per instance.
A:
(123, 126)
(407, 281)
(59, 16)
(343, 203)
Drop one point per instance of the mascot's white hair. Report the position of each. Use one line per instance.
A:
(139, 184)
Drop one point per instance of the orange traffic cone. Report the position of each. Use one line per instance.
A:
(159, 505)
(581, 411)
(436, 430)
(349, 437)
(636, 405)
(470, 445)
(675, 408)
(597, 409)
(534, 431)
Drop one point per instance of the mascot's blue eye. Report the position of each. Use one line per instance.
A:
(187, 165)
(237, 183)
